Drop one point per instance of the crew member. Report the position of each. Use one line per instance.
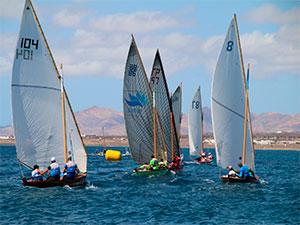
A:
(54, 170)
(71, 169)
(231, 171)
(244, 171)
(162, 164)
(153, 163)
(36, 174)
(210, 156)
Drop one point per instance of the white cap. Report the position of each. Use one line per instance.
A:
(53, 159)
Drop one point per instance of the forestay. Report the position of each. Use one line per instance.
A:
(158, 85)
(228, 104)
(176, 100)
(36, 100)
(195, 125)
(137, 105)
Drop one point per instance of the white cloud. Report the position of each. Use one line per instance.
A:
(269, 13)
(270, 54)
(99, 46)
(11, 8)
(7, 50)
(142, 21)
(69, 17)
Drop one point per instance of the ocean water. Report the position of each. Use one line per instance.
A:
(193, 196)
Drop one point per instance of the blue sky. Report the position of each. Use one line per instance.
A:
(92, 38)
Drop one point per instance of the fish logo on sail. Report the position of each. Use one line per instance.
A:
(136, 100)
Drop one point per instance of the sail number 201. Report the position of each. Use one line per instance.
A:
(27, 46)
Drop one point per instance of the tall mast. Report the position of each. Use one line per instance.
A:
(172, 133)
(245, 129)
(63, 112)
(246, 104)
(154, 125)
(202, 128)
(249, 115)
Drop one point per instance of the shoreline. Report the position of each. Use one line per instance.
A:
(117, 142)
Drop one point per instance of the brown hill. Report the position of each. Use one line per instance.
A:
(92, 120)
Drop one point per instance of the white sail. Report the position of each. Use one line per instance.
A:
(228, 104)
(36, 100)
(176, 100)
(195, 124)
(75, 145)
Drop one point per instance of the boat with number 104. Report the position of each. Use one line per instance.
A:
(43, 119)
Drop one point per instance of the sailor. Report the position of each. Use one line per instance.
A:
(210, 156)
(202, 158)
(231, 171)
(176, 163)
(251, 173)
(36, 174)
(54, 170)
(162, 164)
(144, 167)
(153, 163)
(244, 171)
(71, 169)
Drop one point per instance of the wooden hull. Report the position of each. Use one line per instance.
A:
(80, 180)
(228, 179)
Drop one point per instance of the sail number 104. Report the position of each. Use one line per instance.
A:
(27, 46)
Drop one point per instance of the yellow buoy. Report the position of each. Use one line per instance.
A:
(113, 155)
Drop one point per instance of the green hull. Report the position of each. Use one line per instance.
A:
(151, 172)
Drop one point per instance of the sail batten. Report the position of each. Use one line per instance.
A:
(228, 104)
(37, 100)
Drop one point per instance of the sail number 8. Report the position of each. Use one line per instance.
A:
(26, 46)
(195, 104)
(229, 46)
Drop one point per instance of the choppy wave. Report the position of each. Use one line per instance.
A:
(194, 195)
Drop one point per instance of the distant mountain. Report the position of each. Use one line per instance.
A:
(92, 120)
(272, 122)
(6, 131)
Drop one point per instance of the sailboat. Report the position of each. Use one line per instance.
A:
(139, 113)
(44, 122)
(195, 126)
(176, 100)
(230, 108)
(163, 105)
